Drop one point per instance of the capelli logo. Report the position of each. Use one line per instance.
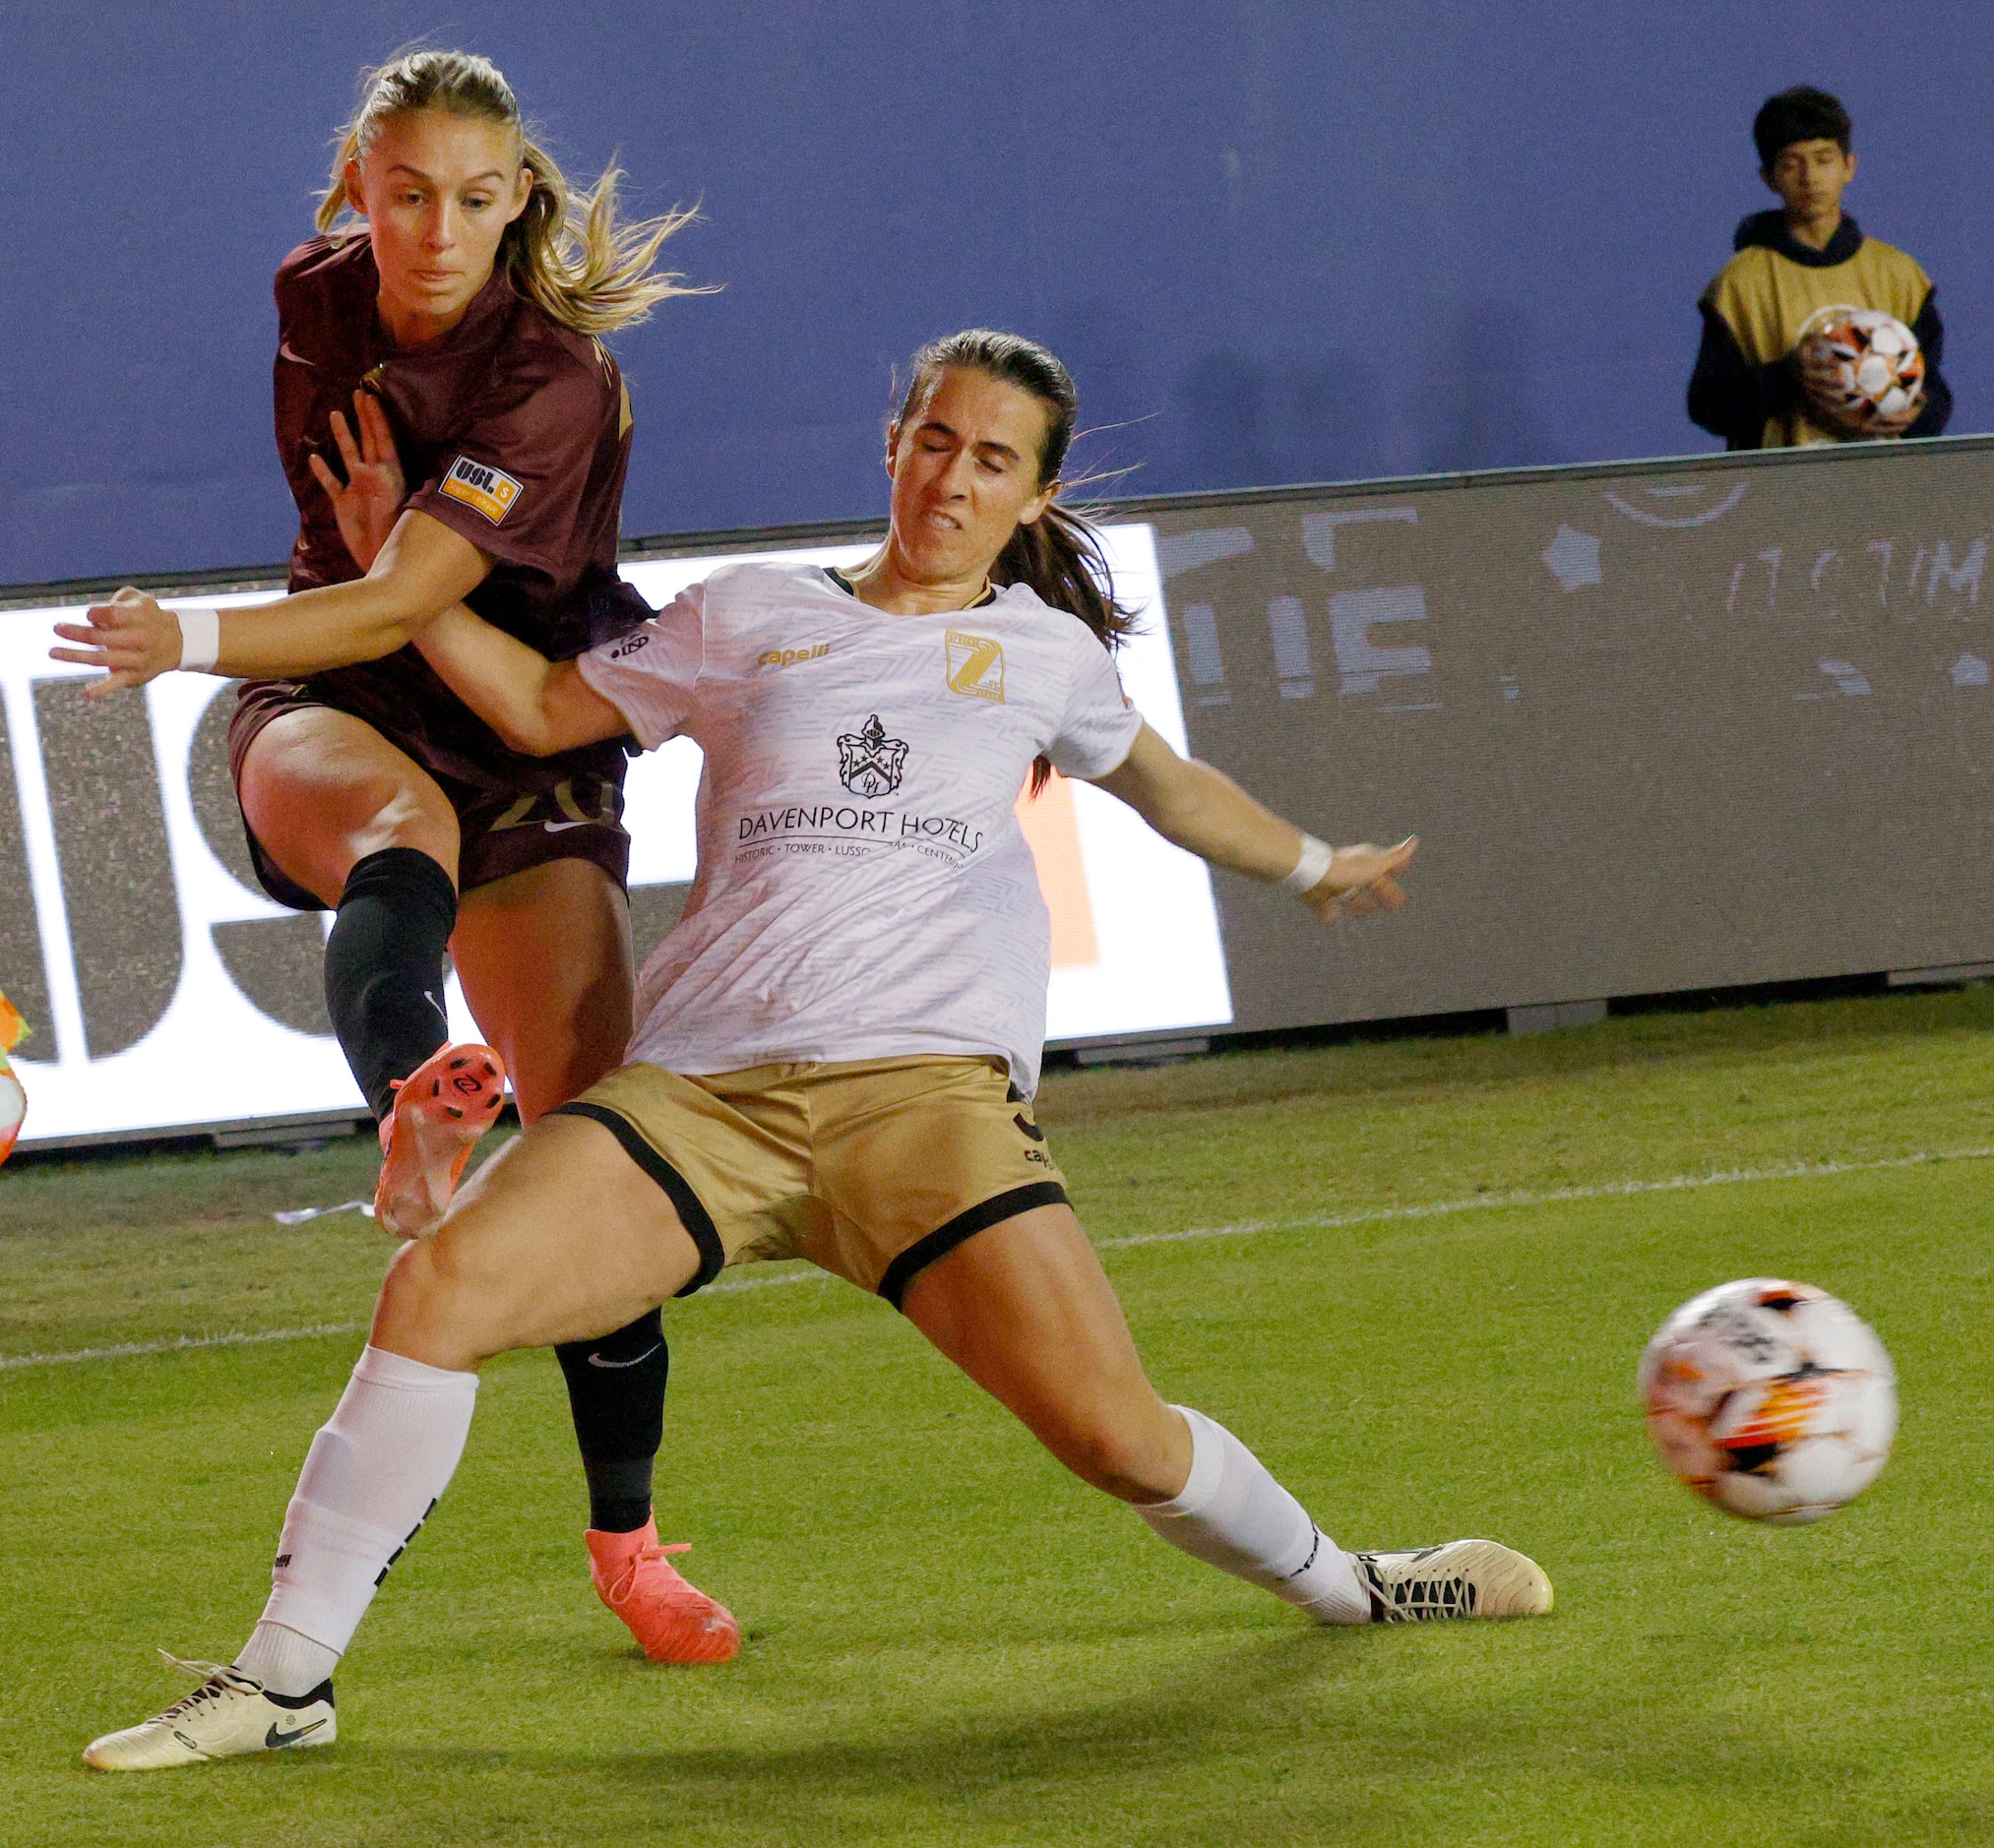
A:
(788, 657)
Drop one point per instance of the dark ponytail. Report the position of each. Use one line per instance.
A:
(1058, 556)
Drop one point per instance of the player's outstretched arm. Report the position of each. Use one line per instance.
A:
(1204, 811)
(423, 569)
(536, 706)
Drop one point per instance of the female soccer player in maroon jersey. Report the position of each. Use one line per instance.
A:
(461, 327)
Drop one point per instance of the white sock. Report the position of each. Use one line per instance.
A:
(1232, 1515)
(284, 1662)
(372, 1475)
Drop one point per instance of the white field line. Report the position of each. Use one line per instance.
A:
(1377, 1215)
(184, 1343)
(1605, 1190)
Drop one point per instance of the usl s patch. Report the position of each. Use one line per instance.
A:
(491, 491)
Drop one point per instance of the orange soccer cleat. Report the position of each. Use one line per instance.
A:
(441, 1109)
(673, 1621)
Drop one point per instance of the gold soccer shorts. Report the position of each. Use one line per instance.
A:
(870, 1169)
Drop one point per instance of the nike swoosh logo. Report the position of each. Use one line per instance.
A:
(275, 1741)
(597, 1360)
(554, 827)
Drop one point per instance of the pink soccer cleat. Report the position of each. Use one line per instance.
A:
(441, 1109)
(671, 1620)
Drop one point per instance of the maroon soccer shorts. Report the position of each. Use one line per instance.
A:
(572, 812)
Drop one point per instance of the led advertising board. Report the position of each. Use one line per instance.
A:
(168, 992)
(1658, 726)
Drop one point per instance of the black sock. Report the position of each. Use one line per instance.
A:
(616, 1394)
(384, 969)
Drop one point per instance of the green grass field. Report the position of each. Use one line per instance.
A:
(949, 1641)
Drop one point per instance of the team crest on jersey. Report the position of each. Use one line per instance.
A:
(869, 763)
(975, 666)
(491, 491)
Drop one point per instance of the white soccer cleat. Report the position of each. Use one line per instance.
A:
(227, 1715)
(1462, 1578)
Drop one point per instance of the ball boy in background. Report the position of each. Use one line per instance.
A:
(1750, 387)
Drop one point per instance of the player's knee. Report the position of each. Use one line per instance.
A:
(405, 1308)
(402, 816)
(412, 1290)
(436, 1308)
(1120, 1456)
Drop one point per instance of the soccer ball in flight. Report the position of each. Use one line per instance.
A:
(1774, 1400)
(1873, 360)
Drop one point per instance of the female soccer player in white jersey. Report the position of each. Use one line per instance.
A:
(841, 1036)
(455, 315)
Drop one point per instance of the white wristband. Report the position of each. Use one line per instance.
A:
(200, 639)
(1311, 868)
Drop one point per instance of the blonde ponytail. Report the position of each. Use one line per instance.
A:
(567, 251)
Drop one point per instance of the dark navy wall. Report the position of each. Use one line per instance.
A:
(1286, 241)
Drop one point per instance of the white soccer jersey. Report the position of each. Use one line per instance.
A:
(864, 891)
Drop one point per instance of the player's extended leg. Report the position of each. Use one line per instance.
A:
(357, 823)
(514, 1265)
(545, 958)
(1025, 1310)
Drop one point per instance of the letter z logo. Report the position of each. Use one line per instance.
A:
(976, 667)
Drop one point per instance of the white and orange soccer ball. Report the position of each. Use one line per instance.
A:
(13, 1110)
(1873, 360)
(13, 1099)
(1774, 1400)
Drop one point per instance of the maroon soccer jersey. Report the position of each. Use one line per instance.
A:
(513, 431)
